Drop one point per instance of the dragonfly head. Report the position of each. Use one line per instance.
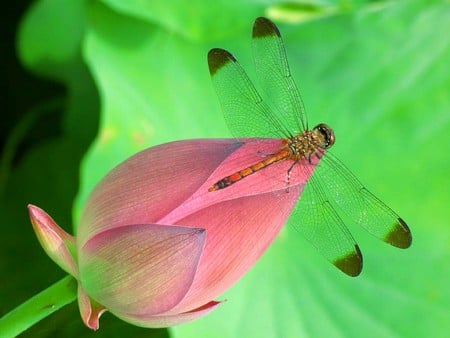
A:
(327, 133)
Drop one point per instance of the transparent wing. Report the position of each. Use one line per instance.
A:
(360, 204)
(275, 77)
(244, 110)
(318, 222)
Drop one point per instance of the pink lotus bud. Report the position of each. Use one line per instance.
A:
(155, 247)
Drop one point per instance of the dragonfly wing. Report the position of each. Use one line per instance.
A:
(275, 77)
(321, 225)
(361, 205)
(244, 110)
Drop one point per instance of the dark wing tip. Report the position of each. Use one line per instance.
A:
(217, 58)
(264, 27)
(400, 235)
(352, 263)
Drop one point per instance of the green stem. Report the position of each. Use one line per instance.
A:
(38, 307)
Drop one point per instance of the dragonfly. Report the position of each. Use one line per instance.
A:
(331, 187)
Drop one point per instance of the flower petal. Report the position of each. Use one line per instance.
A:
(239, 232)
(140, 270)
(171, 320)
(150, 184)
(57, 243)
(90, 310)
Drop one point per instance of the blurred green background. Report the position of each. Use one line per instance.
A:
(105, 79)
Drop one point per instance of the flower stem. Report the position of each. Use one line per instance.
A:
(38, 307)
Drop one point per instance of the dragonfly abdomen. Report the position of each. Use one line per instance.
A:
(239, 175)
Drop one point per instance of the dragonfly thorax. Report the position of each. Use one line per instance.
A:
(311, 143)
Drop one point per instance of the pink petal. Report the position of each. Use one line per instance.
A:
(57, 243)
(90, 310)
(171, 320)
(150, 184)
(239, 232)
(140, 270)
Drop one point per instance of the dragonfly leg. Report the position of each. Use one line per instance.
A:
(316, 156)
(288, 174)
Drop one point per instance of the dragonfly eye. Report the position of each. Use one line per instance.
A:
(327, 133)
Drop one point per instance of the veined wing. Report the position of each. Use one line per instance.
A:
(319, 223)
(360, 204)
(275, 77)
(244, 110)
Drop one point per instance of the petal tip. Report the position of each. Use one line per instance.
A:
(35, 213)
(56, 242)
(90, 310)
(93, 322)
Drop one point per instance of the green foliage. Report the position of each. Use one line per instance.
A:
(377, 72)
